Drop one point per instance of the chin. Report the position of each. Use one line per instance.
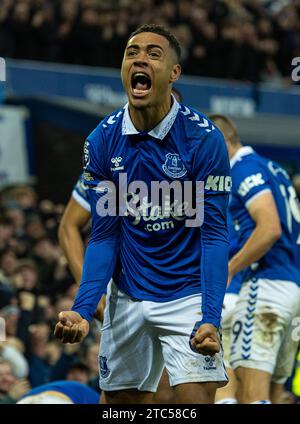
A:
(139, 103)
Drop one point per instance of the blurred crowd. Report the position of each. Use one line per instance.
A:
(248, 40)
(35, 285)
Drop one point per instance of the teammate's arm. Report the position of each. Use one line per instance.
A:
(73, 220)
(267, 231)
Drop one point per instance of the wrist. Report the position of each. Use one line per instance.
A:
(83, 315)
(212, 322)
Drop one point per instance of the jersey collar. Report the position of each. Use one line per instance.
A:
(161, 129)
(243, 151)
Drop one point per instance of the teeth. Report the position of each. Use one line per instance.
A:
(135, 83)
(140, 74)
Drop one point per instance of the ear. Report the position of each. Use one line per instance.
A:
(175, 74)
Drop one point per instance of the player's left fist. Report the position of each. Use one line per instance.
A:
(71, 328)
(206, 339)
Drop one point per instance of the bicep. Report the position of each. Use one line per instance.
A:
(263, 210)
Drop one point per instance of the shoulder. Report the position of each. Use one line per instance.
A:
(108, 125)
(200, 133)
(80, 193)
(197, 125)
(248, 165)
(250, 175)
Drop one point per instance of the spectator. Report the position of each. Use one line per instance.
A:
(79, 372)
(88, 38)
(22, 32)
(12, 351)
(8, 265)
(27, 276)
(6, 231)
(92, 361)
(11, 388)
(11, 315)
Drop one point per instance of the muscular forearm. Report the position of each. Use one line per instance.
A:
(72, 245)
(258, 244)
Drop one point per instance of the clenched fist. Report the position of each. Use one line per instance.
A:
(71, 328)
(206, 339)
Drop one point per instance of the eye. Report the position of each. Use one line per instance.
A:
(154, 54)
(131, 53)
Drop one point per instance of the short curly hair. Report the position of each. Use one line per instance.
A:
(160, 30)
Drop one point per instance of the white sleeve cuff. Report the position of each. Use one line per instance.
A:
(81, 201)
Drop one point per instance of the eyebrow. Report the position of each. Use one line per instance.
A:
(149, 46)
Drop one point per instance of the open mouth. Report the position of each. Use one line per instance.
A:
(140, 84)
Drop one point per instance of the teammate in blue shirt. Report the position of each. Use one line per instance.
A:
(265, 211)
(165, 304)
(61, 392)
(80, 194)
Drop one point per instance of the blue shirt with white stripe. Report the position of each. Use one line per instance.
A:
(81, 194)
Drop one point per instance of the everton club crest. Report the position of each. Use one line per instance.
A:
(104, 370)
(173, 166)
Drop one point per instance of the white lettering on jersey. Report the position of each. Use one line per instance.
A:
(250, 182)
(86, 154)
(218, 183)
(150, 212)
(158, 226)
(277, 170)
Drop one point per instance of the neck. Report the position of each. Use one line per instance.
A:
(232, 151)
(146, 119)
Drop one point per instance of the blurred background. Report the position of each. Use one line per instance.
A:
(63, 62)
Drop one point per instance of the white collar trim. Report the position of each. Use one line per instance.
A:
(243, 151)
(161, 129)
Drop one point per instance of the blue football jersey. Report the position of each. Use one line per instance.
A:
(160, 258)
(252, 175)
(81, 194)
(79, 393)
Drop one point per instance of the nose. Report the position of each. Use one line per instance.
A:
(141, 59)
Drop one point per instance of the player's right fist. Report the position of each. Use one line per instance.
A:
(71, 328)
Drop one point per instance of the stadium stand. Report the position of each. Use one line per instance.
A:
(245, 40)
